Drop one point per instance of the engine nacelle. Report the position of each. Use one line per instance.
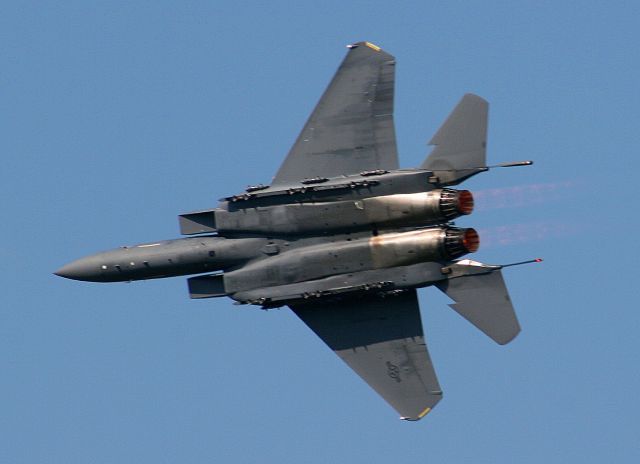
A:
(432, 207)
(382, 251)
(382, 212)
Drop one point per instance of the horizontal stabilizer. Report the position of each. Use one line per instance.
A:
(198, 222)
(208, 286)
(483, 300)
(461, 142)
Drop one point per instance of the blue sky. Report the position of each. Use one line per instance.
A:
(117, 116)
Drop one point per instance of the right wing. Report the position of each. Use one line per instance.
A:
(351, 128)
(381, 339)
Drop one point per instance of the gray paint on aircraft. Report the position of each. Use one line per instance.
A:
(345, 238)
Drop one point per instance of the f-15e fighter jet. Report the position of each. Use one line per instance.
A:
(344, 237)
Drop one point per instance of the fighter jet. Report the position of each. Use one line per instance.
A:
(344, 237)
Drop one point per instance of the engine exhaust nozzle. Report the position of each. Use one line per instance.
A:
(454, 203)
(459, 242)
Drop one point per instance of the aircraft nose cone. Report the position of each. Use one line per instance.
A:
(80, 269)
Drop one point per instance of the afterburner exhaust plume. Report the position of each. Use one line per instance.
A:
(522, 195)
(514, 234)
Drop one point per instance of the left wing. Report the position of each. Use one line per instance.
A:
(381, 339)
(351, 128)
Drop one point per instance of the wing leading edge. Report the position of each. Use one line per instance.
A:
(382, 340)
(351, 128)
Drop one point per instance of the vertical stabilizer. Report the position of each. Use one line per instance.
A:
(460, 144)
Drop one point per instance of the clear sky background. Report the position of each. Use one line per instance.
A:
(117, 116)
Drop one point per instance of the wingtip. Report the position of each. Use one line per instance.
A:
(474, 96)
(420, 415)
(506, 339)
(372, 46)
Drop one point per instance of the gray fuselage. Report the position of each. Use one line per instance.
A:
(288, 239)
